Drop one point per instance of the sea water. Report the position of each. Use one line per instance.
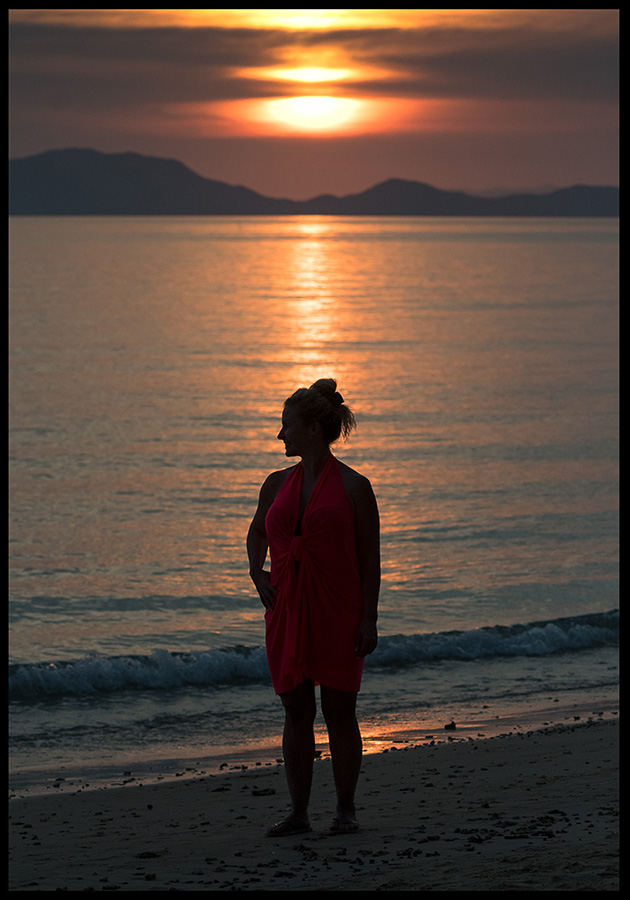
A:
(150, 358)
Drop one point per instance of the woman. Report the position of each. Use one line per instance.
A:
(319, 521)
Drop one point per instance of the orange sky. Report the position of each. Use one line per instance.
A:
(300, 102)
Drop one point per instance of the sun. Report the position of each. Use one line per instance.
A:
(311, 115)
(314, 113)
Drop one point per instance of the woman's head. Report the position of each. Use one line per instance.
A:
(323, 404)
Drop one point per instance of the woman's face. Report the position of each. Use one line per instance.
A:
(297, 436)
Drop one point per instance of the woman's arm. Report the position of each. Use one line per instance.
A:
(367, 526)
(257, 544)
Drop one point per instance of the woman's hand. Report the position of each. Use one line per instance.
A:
(266, 590)
(367, 638)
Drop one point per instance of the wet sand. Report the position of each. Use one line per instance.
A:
(534, 811)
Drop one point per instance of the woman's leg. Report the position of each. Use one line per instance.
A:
(346, 748)
(298, 746)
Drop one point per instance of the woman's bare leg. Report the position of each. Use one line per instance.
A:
(298, 746)
(346, 748)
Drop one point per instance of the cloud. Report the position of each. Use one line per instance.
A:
(201, 64)
(165, 64)
(516, 63)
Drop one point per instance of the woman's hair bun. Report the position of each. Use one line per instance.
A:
(323, 403)
(327, 387)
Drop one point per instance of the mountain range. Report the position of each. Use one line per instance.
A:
(83, 182)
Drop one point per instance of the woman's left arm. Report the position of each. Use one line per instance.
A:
(367, 528)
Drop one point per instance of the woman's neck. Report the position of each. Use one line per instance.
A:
(315, 460)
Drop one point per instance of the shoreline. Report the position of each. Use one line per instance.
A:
(529, 810)
(33, 780)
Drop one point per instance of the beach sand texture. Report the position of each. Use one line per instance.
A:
(534, 811)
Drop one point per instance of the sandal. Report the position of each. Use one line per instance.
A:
(344, 825)
(288, 828)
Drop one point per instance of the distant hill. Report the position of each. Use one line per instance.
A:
(90, 183)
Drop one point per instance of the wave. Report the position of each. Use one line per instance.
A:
(233, 666)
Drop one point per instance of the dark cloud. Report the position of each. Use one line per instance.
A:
(180, 46)
(195, 64)
(134, 66)
(519, 65)
(506, 63)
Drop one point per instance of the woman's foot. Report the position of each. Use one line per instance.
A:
(291, 825)
(344, 824)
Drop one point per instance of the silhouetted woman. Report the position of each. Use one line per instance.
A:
(319, 520)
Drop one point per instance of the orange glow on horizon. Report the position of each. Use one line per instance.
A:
(314, 115)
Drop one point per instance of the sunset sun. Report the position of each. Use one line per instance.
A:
(314, 113)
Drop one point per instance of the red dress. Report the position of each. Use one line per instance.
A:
(312, 628)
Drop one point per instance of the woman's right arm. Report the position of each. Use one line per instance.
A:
(257, 544)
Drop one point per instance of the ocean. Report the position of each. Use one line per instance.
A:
(149, 361)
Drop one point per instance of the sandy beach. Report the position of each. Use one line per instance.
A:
(533, 811)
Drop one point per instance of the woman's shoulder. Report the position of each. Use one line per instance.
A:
(361, 495)
(270, 489)
(354, 482)
(274, 481)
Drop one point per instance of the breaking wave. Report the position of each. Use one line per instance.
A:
(163, 670)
